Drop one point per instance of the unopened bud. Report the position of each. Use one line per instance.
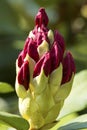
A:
(44, 74)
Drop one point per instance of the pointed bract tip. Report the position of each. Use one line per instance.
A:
(41, 18)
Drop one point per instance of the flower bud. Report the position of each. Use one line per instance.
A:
(68, 67)
(41, 18)
(23, 75)
(44, 74)
(44, 63)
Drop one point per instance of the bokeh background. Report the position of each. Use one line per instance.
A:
(17, 19)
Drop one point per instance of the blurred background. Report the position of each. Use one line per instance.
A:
(17, 19)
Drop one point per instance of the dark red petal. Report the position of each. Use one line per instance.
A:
(23, 75)
(54, 54)
(68, 67)
(41, 18)
(23, 53)
(38, 38)
(47, 64)
(58, 38)
(20, 59)
(44, 63)
(26, 46)
(32, 50)
(37, 68)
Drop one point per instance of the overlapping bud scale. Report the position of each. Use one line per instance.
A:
(44, 74)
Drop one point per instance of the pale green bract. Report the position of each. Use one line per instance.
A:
(41, 104)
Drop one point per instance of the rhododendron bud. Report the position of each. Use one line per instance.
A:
(23, 75)
(44, 74)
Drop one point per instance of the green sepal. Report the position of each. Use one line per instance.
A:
(20, 90)
(43, 48)
(36, 121)
(29, 109)
(50, 36)
(64, 90)
(40, 83)
(53, 113)
(55, 79)
(45, 101)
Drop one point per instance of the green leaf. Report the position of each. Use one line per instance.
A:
(64, 120)
(78, 123)
(5, 127)
(14, 121)
(77, 100)
(5, 87)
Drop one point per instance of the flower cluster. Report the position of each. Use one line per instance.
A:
(45, 74)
